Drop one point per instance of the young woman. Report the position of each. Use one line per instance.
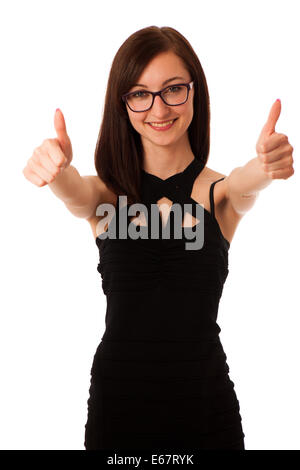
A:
(159, 377)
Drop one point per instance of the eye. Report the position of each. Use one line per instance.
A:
(173, 89)
(139, 94)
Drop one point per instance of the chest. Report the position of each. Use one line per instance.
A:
(223, 214)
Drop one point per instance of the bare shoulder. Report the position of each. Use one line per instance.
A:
(103, 195)
(225, 214)
(101, 191)
(207, 177)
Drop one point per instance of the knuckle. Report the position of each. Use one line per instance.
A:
(36, 151)
(262, 158)
(263, 148)
(37, 156)
(265, 159)
(30, 163)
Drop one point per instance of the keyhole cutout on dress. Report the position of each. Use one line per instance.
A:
(165, 205)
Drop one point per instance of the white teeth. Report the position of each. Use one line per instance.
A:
(161, 125)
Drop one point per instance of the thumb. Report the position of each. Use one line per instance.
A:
(61, 131)
(269, 127)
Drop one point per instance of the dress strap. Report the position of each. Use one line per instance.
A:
(211, 196)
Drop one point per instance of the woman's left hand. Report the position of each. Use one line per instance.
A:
(273, 149)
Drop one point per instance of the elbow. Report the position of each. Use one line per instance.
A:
(244, 202)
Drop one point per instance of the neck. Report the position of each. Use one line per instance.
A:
(166, 160)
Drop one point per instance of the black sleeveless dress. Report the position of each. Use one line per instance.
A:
(159, 377)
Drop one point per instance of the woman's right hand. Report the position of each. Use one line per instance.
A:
(52, 157)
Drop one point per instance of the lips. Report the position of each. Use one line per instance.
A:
(164, 125)
(161, 122)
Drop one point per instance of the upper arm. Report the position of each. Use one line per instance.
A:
(92, 193)
(227, 216)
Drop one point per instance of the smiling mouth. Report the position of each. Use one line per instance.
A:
(162, 123)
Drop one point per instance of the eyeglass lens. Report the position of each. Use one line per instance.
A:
(141, 100)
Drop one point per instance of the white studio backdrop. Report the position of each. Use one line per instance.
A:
(58, 54)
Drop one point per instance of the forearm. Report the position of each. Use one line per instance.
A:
(68, 185)
(248, 180)
(244, 184)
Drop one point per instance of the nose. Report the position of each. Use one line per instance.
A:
(159, 108)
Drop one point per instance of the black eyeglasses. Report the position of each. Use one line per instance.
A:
(172, 95)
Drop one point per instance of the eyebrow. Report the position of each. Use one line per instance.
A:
(163, 83)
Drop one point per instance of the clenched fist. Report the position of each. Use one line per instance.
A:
(52, 157)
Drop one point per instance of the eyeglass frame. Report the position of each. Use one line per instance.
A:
(189, 86)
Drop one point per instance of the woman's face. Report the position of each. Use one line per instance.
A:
(163, 67)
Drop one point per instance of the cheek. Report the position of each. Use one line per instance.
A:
(187, 115)
(190, 112)
(137, 120)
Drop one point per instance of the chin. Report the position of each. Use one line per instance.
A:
(160, 142)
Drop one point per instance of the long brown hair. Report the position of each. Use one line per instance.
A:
(119, 150)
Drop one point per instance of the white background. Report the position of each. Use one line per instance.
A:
(58, 54)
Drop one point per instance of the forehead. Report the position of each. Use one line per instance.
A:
(162, 67)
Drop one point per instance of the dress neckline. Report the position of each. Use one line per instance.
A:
(172, 177)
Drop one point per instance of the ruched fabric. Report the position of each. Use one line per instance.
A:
(160, 378)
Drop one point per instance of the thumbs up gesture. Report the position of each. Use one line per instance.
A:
(273, 149)
(52, 157)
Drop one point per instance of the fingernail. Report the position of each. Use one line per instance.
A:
(278, 99)
(56, 110)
